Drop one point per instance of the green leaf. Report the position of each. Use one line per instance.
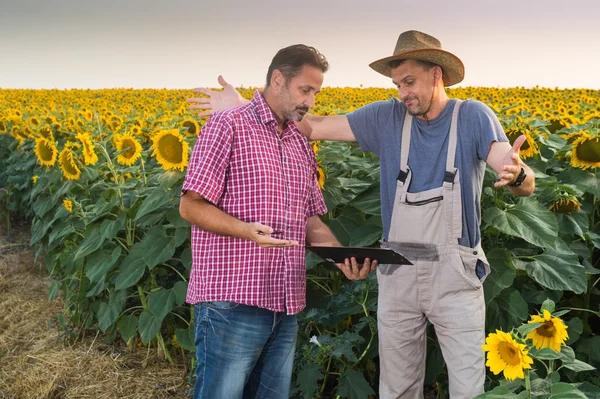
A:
(186, 338)
(110, 228)
(589, 349)
(157, 198)
(127, 326)
(502, 274)
(527, 220)
(53, 290)
(548, 305)
(92, 241)
(573, 223)
(308, 380)
(180, 290)
(578, 366)
(352, 384)
(544, 354)
(108, 315)
(186, 259)
(42, 205)
(594, 238)
(585, 181)
(175, 219)
(160, 302)
(368, 202)
(149, 326)
(574, 328)
(159, 247)
(497, 393)
(563, 390)
(100, 262)
(566, 354)
(506, 311)
(558, 270)
(343, 345)
(527, 328)
(132, 269)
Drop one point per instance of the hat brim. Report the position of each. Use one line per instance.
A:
(454, 70)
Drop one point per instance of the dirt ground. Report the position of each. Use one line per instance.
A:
(36, 364)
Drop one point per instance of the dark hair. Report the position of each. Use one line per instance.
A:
(290, 60)
(426, 65)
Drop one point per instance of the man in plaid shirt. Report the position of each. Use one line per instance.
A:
(252, 196)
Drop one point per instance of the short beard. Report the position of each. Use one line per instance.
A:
(423, 113)
(292, 116)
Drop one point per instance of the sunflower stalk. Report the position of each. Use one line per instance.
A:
(528, 384)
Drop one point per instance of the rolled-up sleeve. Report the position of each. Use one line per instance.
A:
(210, 159)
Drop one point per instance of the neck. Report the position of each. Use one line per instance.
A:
(271, 101)
(438, 103)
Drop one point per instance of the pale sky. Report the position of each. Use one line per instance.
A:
(186, 44)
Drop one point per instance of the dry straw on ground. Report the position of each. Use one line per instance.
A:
(36, 364)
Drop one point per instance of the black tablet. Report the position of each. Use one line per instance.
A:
(339, 254)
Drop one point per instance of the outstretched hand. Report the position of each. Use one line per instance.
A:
(512, 164)
(217, 100)
(263, 236)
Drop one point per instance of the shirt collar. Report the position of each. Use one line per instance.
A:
(264, 112)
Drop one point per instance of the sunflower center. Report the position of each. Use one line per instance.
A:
(547, 329)
(509, 353)
(589, 150)
(45, 151)
(190, 126)
(171, 148)
(130, 149)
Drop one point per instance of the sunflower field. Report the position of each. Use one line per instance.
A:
(99, 172)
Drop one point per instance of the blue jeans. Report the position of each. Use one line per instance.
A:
(243, 351)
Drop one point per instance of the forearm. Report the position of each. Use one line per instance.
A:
(318, 234)
(198, 211)
(334, 128)
(528, 186)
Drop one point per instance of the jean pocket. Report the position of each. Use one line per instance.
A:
(222, 305)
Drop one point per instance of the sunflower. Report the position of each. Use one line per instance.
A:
(505, 354)
(321, 178)
(34, 121)
(46, 151)
(191, 126)
(565, 205)
(315, 147)
(68, 204)
(89, 150)
(557, 123)
(88, 115)
(551, 334)
(34, 179)
(529, 148)
(3, 128)
(135, 130)
(67, 164)
(585, 152)
(131, 147)
(46, 132)
(171, 149)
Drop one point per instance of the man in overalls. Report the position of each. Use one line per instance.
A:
(433, 152)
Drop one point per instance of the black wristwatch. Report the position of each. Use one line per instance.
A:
(520, 179)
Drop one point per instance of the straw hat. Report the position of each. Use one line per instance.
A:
(420, 46)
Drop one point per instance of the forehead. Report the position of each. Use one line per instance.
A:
(407, 68)
(309, 76)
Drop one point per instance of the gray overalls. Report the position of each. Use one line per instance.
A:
(441, 287)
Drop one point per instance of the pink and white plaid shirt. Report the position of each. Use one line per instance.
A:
(245, 167)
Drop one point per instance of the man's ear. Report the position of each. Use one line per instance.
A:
(277, 79)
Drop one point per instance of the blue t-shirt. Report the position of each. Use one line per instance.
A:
(378, 126)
